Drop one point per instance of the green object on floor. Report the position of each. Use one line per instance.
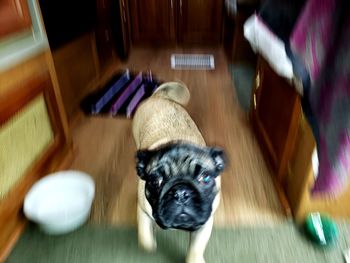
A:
(243, 77)
(101, 244)
(321, 229)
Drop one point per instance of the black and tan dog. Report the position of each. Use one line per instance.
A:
(180, 175)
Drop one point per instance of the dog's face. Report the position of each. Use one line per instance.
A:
(180, 183)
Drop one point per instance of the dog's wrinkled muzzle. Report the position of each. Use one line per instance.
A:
(181, 206)
(180, 187)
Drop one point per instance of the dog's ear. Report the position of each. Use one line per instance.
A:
(219, 158)
(142, 159)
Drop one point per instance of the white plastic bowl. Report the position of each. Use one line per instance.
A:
(60, 202)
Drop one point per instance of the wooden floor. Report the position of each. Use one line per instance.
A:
(106, 148)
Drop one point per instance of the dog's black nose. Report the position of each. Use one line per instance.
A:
(182, 196)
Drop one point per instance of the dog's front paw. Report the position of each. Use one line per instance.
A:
(195, 259)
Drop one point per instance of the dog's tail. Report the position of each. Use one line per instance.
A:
(175, 91)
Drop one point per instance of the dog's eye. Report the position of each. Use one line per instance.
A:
(156, 182)
(204, 178)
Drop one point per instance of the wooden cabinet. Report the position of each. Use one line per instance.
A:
(105, 46)
(121, 27)
(176, 21)
(153, 21)
(105, 42)
(35, 138)
(112, 31)
(14, 17)
(200, 21)
(287, 142)
(275, 116)
(301, 179)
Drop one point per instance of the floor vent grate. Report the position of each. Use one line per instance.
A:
(192, 62)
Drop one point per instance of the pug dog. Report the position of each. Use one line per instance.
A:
(179, 176)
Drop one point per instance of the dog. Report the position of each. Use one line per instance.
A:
(179, 176)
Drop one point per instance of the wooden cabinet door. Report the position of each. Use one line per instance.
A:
(275, 114)
(152, 21)
(105, 42)
(200, 21)
(105, 46)
(14, 17)
(121, 27)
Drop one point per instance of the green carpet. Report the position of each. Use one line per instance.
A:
(283, 243)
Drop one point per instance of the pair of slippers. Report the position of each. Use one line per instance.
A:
(121, 94)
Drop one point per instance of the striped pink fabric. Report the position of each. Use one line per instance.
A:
(321, 39)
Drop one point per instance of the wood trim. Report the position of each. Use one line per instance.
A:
(18, 228)
(14, 99)
(266, 142)
(173, 18)
(11, 208)
(134, 23)
(95, 55)
(289, 147)
(267, 155)
(279, 161)
(11, 102)
(278, 169)
(125, 28)
(282, 196)
(14, 17)
(58, 97)
(263, 138)
(299, 167)
(12, 77)
(51, 105)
